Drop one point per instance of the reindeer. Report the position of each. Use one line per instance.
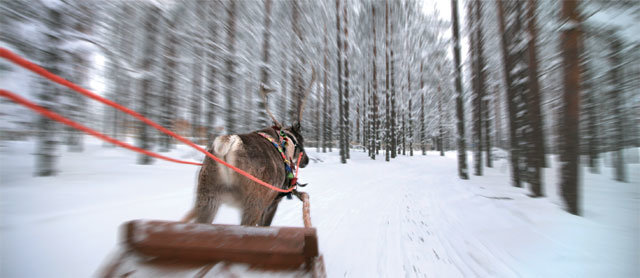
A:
(255, 154)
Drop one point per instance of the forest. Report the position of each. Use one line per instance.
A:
(525, 110)
(531, 77)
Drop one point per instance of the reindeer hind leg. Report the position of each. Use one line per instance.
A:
(270, 212)
(206, 209)
(251, 216)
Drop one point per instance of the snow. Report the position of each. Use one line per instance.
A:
(625, 21)
(409, 217)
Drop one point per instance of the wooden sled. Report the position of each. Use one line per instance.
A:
(177, 249)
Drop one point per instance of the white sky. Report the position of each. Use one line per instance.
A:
(444, 12)
(443, 6)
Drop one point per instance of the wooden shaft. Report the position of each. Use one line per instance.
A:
(306, 214)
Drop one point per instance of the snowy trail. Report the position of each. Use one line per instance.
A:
(411, 217)
(398, 223)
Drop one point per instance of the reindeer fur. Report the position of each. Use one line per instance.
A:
(257, 156)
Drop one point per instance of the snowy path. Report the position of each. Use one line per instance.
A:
(411, 217)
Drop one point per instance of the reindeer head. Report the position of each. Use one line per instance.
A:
(295, 130)
(295, 134)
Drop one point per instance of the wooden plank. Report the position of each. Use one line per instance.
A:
(258, 246)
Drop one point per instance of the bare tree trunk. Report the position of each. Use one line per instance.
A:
(498, 117)
(196, 80)
(212, 72)
(362, 112)
(423, 146)
(476, 67)
(346, 126)
(387, 133)
(618, 114)
(487, 134)
(48, 96)
(590, 106)
(462, 150)
(374, 107)
(263, 118)
(403, 131)
(410, 113)
(297, 67)
(283, 89)
(341, 128)
(318, 125)
(248, 103)
(365, 113)
(392, 94)
(83, 24)
(168, 88)
(123, 81)
(534, 90)
(230, 71)
(146, 93)
(569, 151)
(327, 97)
(440, 128)
(508, 65)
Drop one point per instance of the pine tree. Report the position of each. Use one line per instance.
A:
(341, 127)
(48, 96)
(346, 125)
(327, 96)
(533, 98)
(508, 66)
(569, 132)
(283, 88)
(317, 118)
(297, 41)
(374, 93)
(123, 81)
(230, 70)
(196, 67)
(168, 89)
(477, 82)
(212, 72)
(387, 129)
(590, 106)
(440, 127)
(82, 21)
(263, 118)
(410, 112)
(146, 97)
(392, 94)
(462, 153)
(522, 112)
(423, 137)
(615, 76)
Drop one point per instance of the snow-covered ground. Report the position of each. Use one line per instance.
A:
(411, 217)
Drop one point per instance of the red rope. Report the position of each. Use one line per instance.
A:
(5, 53)
(48, 113)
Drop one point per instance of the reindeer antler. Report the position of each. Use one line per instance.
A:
(306, 94)
(264, 91)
